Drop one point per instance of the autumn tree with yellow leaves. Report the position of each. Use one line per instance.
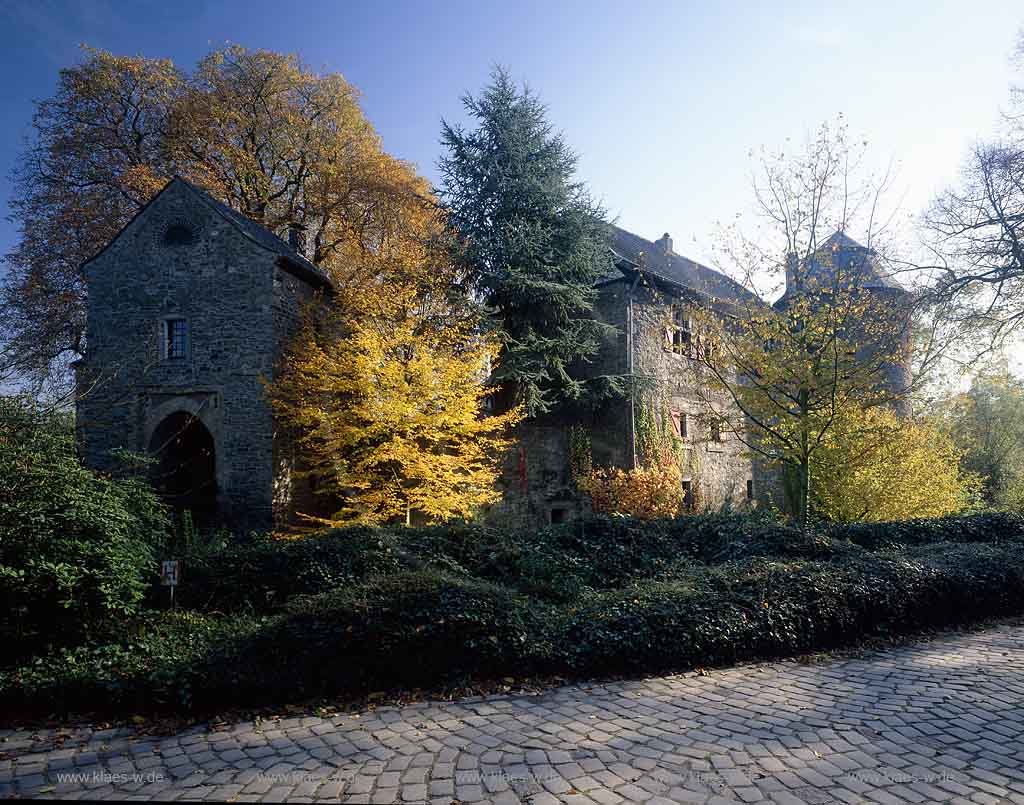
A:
(389, 414)
(386, 392)
(783, 377)
(259, 130)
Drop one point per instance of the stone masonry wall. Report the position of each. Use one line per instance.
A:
(221, 282)
(719, 470)
(536, 481)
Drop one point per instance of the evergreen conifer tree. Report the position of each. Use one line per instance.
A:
(534, 241)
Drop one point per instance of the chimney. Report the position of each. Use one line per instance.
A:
(297, 237)
(664, 244)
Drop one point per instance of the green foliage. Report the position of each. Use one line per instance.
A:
(534, 241)
(581, 454)
(74, 546)
(415, 628)
(763, 608)
(159, 661)
(994, 527)
(363, 610)
(262, 575)
(987, 424)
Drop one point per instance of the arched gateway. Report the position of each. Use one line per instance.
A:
(186, 470)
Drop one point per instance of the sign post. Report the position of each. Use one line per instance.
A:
(169, 570)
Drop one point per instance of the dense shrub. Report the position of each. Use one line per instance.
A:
(359, 610)
(556, 563)
(984, 527)
(759, 608)
(425, 627)
(74, 546)
(263, 574)
(415, 628)
(158, 661)
(419, 628)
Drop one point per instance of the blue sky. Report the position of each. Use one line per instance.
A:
(663, 101)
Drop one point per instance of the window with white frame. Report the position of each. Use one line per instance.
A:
(174, 339)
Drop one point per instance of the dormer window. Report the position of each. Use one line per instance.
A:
(175, 339)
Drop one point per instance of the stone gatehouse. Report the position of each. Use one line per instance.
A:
(191, 304)
(188, 310)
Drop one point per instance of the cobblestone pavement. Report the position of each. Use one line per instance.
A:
(931, 722)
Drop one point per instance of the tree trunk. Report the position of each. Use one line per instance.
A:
(805, 465)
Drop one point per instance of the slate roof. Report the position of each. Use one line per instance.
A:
(259, 234)
(672, 267)
(842, 250)
(846, 251)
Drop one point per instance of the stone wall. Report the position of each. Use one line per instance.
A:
(222, 283)
(718, 469)
(536, 481)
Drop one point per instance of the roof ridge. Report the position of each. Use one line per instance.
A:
(240, 222)
(704, 272)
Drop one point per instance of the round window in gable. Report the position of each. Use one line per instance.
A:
(179, 234)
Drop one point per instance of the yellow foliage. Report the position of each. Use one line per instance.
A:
(389, 413)
(875, 466)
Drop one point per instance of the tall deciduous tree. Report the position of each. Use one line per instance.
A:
(385, 391)
(975, 231)
(986, 422)
(533, 239)
(259, 130)
(97, 157)
(833, 342)
(389, 412)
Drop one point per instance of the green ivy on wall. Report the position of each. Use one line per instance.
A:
(581, 460)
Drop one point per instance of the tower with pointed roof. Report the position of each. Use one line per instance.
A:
(843, 262)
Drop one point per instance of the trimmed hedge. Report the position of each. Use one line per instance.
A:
(759, 609)
(556, 564)
(158, 661)
(427, 627)
(985, 527)
(263, 575)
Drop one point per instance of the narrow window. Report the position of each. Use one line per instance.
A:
(175, 338)
(682, 336)
(688, 494)
(684, 426)
(716, 430)
(750, 490)
(558, 516)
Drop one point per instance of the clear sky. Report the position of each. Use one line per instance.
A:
(662, 100)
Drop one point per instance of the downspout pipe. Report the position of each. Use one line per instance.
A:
(630, 365)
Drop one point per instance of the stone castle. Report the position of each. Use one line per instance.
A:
(190, 306)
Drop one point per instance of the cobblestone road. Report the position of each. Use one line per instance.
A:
(931, 722)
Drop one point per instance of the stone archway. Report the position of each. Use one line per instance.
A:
(185, 474)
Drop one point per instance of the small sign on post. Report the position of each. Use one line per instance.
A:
(169, 569)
